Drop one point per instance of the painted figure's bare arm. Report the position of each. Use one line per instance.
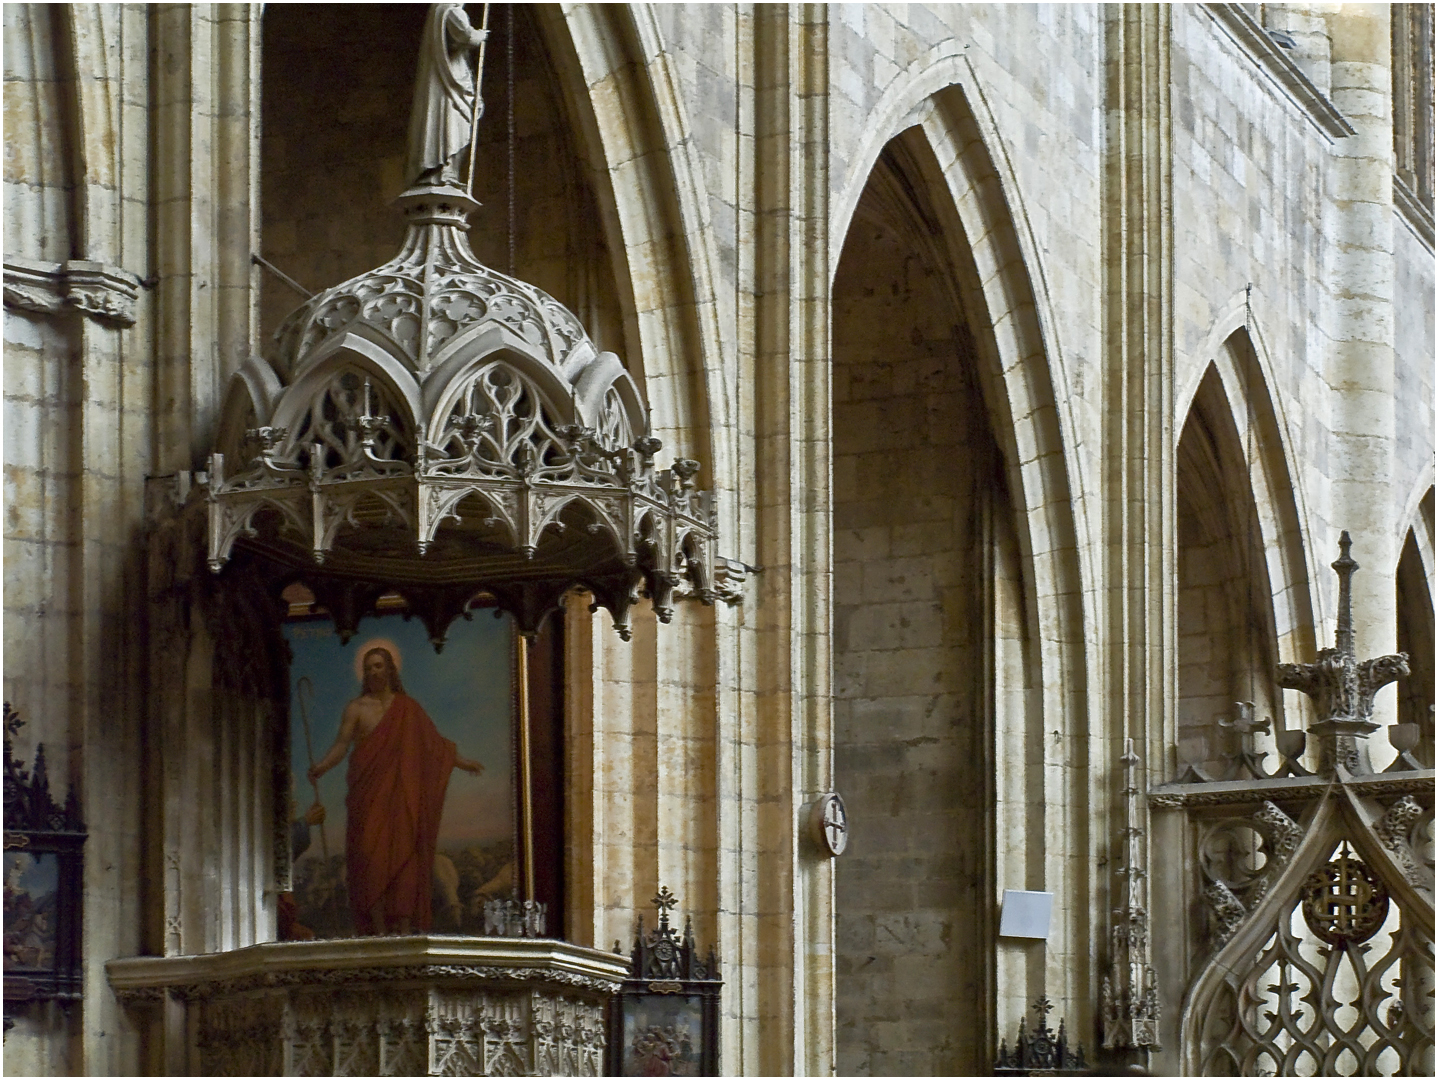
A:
(462, 762)
(349, 722)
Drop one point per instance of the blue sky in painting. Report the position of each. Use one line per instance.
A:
(38, 875)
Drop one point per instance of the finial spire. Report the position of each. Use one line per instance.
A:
(1342, 686)
(664, 901)
(1345, 566)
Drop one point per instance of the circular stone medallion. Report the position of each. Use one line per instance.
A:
(829, 824)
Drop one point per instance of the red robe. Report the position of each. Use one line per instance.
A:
(397, 779)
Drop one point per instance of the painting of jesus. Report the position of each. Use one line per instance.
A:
(425, 803)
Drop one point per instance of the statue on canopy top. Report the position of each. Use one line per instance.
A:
(441, 126)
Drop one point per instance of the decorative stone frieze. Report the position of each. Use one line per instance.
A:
(106, 293)
(1237, 792)
(388, 1006)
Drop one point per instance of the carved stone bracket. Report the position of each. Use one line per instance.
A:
(730, 577)
(103, 292)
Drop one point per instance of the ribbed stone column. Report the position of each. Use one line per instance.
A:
(1360, 364)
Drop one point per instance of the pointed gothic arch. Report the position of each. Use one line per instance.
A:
(918, 492)
(1236, 494)
(970, 224)
(1027, 386)
(631, 131)
(1029, 396)
(1414, 584)
(1236, 353)
(1226, 638)
(1025, 377)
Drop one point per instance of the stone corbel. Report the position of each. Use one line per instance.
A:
(105, 293)
(729, 578)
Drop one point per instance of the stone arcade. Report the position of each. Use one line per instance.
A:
(954, 409)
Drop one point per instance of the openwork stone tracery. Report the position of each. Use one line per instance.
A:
(1333, 981)
(1318, 891)
(435, 424)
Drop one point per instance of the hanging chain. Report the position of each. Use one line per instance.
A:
(509, 66)
(1251, 508)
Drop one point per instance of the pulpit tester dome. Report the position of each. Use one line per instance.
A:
(437, 428)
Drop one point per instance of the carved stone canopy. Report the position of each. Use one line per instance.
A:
(436, 427)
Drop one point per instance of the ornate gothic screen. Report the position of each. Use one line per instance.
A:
(1311, 884)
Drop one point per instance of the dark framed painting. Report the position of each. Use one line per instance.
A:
(43, 866)
(665, 1019)
(42, 888)
(664, 1034)
(404, 795)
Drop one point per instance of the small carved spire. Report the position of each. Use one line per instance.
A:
(1130, 1008)
(1341, 686)
(664, 900)
(1345, 566)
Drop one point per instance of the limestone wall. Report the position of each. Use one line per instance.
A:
(917, 480)
(1413, 351)
(1101, 185)
(77, 448)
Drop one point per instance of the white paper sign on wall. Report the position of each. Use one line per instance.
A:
(1026, 914)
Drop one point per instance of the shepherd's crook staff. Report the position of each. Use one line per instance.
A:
(478, 110)
(300, 688)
